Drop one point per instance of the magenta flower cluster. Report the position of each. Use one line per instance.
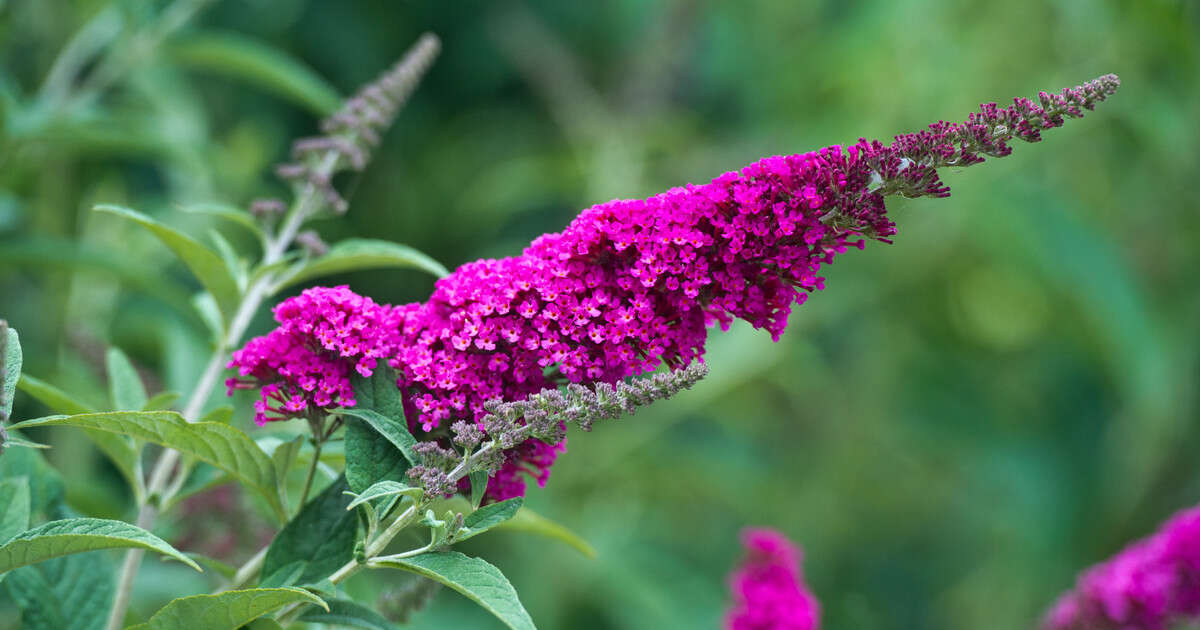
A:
(768, 589)
(304, 365)
(1150, 585)
(629, 285)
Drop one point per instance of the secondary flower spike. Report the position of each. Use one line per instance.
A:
(1150, 585)
(768, 589)
(632, 284)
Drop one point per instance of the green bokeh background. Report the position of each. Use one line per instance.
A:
(952, 429)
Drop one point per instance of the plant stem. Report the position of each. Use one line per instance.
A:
(312, 469)
(306, 202)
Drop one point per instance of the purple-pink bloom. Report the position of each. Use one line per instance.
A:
(630, 284)
(1149, 585)
(768, 589)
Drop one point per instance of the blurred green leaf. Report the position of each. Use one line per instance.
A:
(242, 58)
(119, 449)
(207, 266)
(224, 611)
(77, 535)
(72, 592)
(487, 517)
(14, 496)
(284, 456)
(343, 612)
(10, 368)
(227, 212)
(233, 262)
(479, 581)
(479, 482)
(220, 415)
(530, 522)
(360, 253)
(263, 623)
(160, 401)
(221, 445)
(222, 569)
(320, 539)
(45, 484)
(382, 489)
(125, 387)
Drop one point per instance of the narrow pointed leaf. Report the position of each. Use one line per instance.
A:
(479, 482)
(77, 535)
(227, 212)
(320, 538)
(125, 387)
(56, 399)
(10, 368)
(478, 580)
(343, 612)
(528, 521)
(220, 415)
(225, 611)
(221, 445)
(257, 64)
(14, 496)
(360, 253)
(488, 517)
(385, 489)
(222, 569)
(204, 263)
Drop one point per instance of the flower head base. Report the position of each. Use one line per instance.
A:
(1148, 586)
(769, 590)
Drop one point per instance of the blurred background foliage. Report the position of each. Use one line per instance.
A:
(952, 429)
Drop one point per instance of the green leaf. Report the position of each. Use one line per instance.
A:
(227, 212)
(384, 489)
(119, 449)
(481, 582)
(45, 484)
(488, 517)
(321, 537)
(222, 569)
(360, 253)
(528, 521)
(221, 445)
(479, 482)
(284, 456)
(224, 611)
(125, 387)
(161, 401)
(343, 612)
(220, 415)
(371, 457)
(263, 623)
(77, 535)
(395, 432)
(14, 496)
(251, 61)
(377, 443)
(22, 442)
(52, 397)
(202, 261)
(10, 368)
(229, 255)
(74, 592)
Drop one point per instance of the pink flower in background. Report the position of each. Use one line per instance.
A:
(768, 589)
(1150, 585)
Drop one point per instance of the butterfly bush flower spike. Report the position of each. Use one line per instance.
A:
(631, 285)
(768, 589)
(1151, 585)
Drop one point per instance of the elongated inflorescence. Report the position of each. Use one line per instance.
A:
(353, 130)
(1150, 585)
(632, 284)
(516, 428)
(768, 589)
